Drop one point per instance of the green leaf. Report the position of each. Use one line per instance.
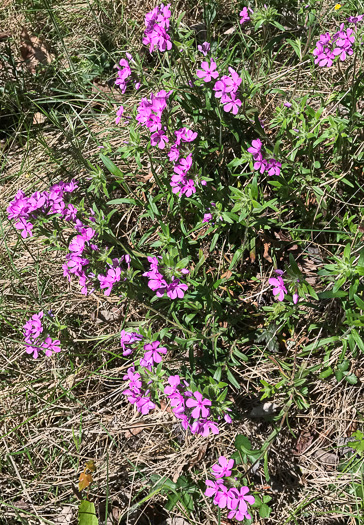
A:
(331, 295)
(351, 379)
(172, 501)
(357, 339)
(278, 25)
(264, 511)
(187, 501)
(242, 443)
(266, 471)
(326, 373)
(87, 514)
(232, 379)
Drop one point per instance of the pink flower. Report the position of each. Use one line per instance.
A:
(152, 352)
(260, 164)
(159, 139)
(239, 500)
(25, 226)
(233, 82)
(208, 71)
(222, 498)
(224, 468)
(176, 289)
(119, 114)
(204, 49)
(207, 427)
(279, 287)
(213, 487)
(127, 339)
(244, 15)
(220, 87)
(200, 405)
(256, 147)
(273, 167)
(174, 153)
(231, 103)
(174, 382)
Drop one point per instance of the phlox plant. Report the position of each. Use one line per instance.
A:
(226, 492)
(228, 183)
(165, 275)
(36, 335)
(148, 383)
(86, 258)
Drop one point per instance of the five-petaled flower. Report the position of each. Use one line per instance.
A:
(200, 405)
(208, 71)
(279, 289)
(224, 468)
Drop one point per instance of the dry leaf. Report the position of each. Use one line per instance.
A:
(327, 458)
(134, 431)
(22, 504)
(165, 407)
(177, 472)
(114, 516)
(175, 520)
(303, 442)
(200, 454)
(84, 481)
(226, 275)
(34, 51)
(106, 316)
(65, 517)
(39, 118)
(230, 31)
(266, 251)
(283, 236)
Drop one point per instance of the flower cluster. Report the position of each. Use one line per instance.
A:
(164, 280)
(226, 89)
(272, 166)
(124, 72)
(157, 25)
(81, 248)
(235, 500)
(34, 343)
(245, 15)
(279, 288)
(123, 78)
(137, 393)
(113, 274)
(191, 408)
(127, 339)
(181, 182)
(76, 259)
(150, 115)
(211, 214)
(119, 114)
(26, 209)
(328, 47)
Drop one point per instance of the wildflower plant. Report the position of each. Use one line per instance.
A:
(202, 226)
